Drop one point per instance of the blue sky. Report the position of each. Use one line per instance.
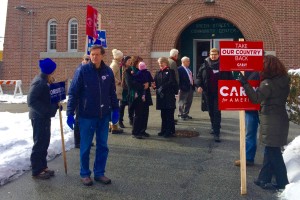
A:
(3, 9)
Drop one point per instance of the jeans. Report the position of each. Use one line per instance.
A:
(252, 122)
(88, 127)
(41, 140)
(273, 165)
(76, 129)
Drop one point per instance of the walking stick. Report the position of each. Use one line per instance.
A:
(62, 140)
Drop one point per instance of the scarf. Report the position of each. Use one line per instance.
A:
(213, 64)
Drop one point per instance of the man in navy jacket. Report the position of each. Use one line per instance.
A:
(93, 90)
(186, 89)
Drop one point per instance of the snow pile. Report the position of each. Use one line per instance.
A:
(16, 143)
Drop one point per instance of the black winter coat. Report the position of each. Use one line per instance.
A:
(134, 86)
(203, 75)
(165, 97)
(38, 99)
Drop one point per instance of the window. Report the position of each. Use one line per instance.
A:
(51, 46)
(73, 35)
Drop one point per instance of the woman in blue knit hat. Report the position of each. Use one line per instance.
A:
(40, 112)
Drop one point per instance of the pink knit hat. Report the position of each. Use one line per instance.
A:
(142, 66)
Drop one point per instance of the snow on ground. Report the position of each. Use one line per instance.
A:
(16, 140)
(291, 158)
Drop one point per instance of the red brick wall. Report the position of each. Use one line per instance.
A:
(139, 27)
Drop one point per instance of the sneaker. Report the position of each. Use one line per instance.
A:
(121, 124)
(103, 179)
(137, 136)
(50, 172)
(183, 118)
(160, 134)
(264, 185)
(87, 181)
(169, 135)
(189, 117)
(145, 134)
(248, 163)
(217, 138)
(42, 176)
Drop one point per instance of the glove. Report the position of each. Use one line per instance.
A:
(242, 79)
(71, 121)
(115, 116)
(159, 92)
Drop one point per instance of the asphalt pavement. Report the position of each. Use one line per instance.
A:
(155, 168)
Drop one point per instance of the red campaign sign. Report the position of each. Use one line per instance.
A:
(232, 95)
(91, 21)
(241, 56)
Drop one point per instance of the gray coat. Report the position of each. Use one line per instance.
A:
(274, 123)
(173, 65)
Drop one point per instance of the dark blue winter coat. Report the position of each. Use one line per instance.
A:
(93, 91)
(39, 100)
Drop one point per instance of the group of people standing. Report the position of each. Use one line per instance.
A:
(99, 94)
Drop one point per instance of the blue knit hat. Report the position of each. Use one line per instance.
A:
(47, 66)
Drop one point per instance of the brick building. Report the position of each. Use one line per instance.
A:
(36, 29)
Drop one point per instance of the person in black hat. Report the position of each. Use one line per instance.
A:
(40, 112)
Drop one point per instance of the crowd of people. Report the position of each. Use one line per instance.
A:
(99, 94)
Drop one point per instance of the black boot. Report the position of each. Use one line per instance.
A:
(121, 124)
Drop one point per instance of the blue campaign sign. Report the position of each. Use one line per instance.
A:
(101, 40)
(57, 92)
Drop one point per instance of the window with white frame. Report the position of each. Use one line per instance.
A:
(73, 35)
(51, 44)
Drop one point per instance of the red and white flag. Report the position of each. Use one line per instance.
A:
(91, 21)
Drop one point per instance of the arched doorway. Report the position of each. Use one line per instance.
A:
(199, 37)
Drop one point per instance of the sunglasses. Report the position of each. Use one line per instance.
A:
(87, 59)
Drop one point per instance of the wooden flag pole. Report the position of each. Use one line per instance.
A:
(243, 153)
(243, 148)
(62, 140)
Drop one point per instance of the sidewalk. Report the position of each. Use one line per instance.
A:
(156, 168)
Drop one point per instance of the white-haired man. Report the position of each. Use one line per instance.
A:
(186, 89)
(173, 65)
(172, 61)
